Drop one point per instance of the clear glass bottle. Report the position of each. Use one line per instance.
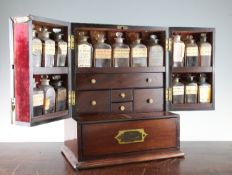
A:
(155, 52)
(38, 100)
(138, 54)
(178, 51)
(191, 90)
(36, 50)
(177, 91)
(188, 39)
(48, 48)
(204, 90)
(61, 49)
(191, 54)
(84, 51)
(121, 52)
(49, 96)
(205, 51)
(102, 53)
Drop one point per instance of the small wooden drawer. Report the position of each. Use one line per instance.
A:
(121, 95)
(148, 100)
(93, 101)
(121, 107)
(102, 139)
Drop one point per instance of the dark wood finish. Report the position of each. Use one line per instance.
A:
(121, 95)
(123, 107)
(47, 70)
(186, 107)
(192, 69)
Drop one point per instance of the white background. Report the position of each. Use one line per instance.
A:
(198, 125)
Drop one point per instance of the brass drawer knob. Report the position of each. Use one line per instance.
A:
(122, 108)
(93, 81)
(148, 80)
(123, 95)
(150, 100)
(93, 103)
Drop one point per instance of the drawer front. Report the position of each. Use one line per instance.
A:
(124, 137)
(121, 95)
(148, 100)
(93, 101)
(121, 107)
(117, 81)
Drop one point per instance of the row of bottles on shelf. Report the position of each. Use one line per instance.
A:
(187, 53)
(191, 92)
(49, 98)
(46, 51)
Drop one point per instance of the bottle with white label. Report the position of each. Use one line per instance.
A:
(178, 51)
(84, 51)
(155, 52)
(61, 49)
(138, 54)
(102, 53)
(121, 52)
(191, 90)
(48, 48)
(191, 54)
(204, 90)
(36, 50)
(205, 51)
(38, 100)
(177, 91)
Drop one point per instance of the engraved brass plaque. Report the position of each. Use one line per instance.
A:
(131, 136)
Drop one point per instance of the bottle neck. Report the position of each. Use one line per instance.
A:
(45, 82)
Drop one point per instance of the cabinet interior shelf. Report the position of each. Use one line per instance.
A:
(200, 106)
(48, 70)
(192, 69)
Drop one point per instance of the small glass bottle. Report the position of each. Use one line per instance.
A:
(155, 52)
(38, 100)
(177, 91)
(191, 89)
(102, 53)
(48, 48)
(61, 49)
(36, 50)
(138, 54)
(205, 51)
(188, 39)
(204, 90)
(49, 96)
(191, 54)
(84, 51)
(121, 52)
(178, 51)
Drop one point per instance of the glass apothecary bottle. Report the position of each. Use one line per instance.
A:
(191, 90)
(121, 52)
(191, 54)
(138, 54)
(204, 90)
(61, 49)
(48, 48)
(38, 100)
(61, 93)
(178, 51)
(155, 52)
(49, 96)
(177, 91)
(36, 50)
(205, 51)
(84, 51)
(102, 53)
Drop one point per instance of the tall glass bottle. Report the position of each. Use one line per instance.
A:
(205, 51)
(36, 50)
(84, 51)
(138, 54)
(102, 53)
(155, 52)
(48, 48)
(204, 90)
(38, 100)
(178, 51)
(49, 96)
(61, 49)
(121, 52)
(191, 54)
(177, 91)
(191, 90)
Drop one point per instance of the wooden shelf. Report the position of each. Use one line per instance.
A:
(48, 70)
(192, 69)
(184, 107)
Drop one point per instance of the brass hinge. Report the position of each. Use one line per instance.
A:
(71, 98)
(71, 42)
(168, 44)
(168, 93)
(12, 104)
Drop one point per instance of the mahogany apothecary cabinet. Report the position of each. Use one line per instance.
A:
(117, 115)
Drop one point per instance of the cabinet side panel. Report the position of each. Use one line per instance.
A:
(21, 75)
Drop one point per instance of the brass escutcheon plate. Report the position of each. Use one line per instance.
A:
(131, 136)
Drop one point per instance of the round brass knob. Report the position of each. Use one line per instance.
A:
(93, 81)
(123, 95)
(93, 103)
(148, 80)
(122, 108)
(150, 100)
